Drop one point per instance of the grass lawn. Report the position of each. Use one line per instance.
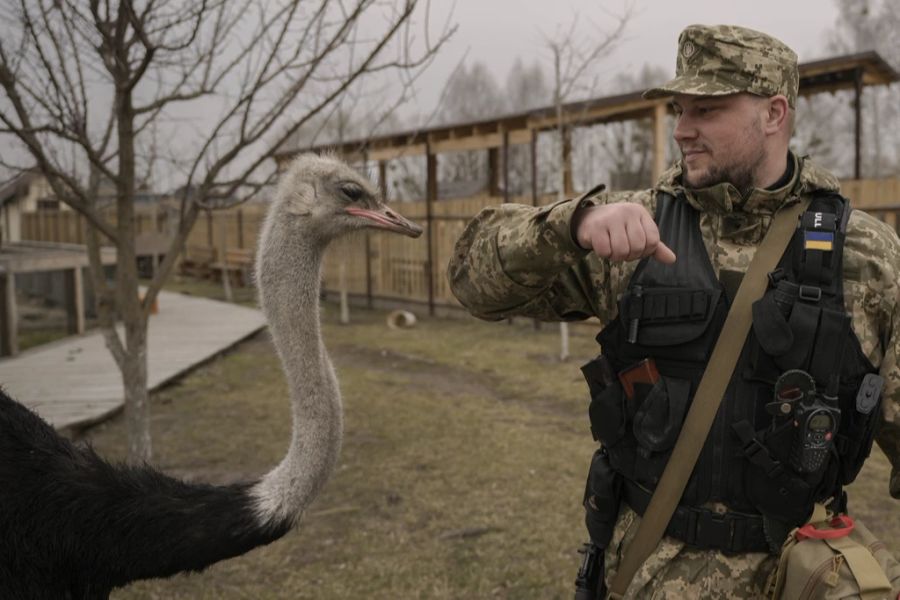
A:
(37, 337)
(466, 447)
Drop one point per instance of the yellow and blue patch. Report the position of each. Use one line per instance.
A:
(818, 240)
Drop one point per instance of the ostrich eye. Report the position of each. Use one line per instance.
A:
(352, 191)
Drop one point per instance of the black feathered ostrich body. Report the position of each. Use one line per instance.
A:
(74, 526)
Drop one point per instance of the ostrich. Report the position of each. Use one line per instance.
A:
(74, 526)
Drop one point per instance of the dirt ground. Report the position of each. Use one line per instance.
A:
(463, 465)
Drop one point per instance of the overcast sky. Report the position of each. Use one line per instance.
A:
(496, 32)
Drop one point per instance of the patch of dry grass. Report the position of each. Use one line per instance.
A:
(465, 453)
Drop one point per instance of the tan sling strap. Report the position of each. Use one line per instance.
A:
(708, 398)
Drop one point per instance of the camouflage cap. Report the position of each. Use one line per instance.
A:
(715, 60)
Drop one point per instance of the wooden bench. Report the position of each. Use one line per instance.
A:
(197, 261)
(238, 265)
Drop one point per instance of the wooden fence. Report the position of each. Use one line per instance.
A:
(379, 266)
(69, 227)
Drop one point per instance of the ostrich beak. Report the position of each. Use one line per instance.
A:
(384, 218)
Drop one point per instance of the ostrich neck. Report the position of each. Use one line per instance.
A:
(289, 274)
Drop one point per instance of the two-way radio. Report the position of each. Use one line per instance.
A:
(815, 417)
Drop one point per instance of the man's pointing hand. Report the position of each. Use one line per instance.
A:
(620, 231)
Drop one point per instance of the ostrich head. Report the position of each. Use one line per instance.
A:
(328, 198)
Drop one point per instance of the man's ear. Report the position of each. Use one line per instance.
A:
(776, 117)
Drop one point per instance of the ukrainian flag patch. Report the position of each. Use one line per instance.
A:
(818, 240)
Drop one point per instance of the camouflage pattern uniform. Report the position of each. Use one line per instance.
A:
(522, 260)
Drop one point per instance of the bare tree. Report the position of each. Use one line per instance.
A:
(573, 60)
(526, 87)
(91, 88)
(626, 146)
(471, 94)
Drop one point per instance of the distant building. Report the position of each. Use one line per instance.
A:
(27, 192)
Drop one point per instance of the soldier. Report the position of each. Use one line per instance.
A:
(659, 268)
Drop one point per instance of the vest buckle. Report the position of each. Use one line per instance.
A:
(775, 277)
(810, 293)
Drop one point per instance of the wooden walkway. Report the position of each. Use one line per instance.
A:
(74, 382)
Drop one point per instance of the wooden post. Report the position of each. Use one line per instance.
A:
(223, 259)
(383, 185)
(342, 286)
(505, 166)
(74, 289)
(857, 112)
(534, 182)
(568, 186)
(431, 192)
(382, 178)
(493, 172)
(563, 341)
(534, 190)
(9, 318)
(240, 228)
(659, 141)
(209, 229)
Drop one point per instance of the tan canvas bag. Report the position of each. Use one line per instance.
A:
(831, 558)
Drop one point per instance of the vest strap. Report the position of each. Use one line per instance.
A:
(730, 532)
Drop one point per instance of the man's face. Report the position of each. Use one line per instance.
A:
(721, 139)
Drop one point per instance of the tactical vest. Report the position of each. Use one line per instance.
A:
(672, 314)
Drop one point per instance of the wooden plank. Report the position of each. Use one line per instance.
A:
(74, 285)
(518, 137)
(624, 111)
(75, 381)
(392, 152)
(472, 142)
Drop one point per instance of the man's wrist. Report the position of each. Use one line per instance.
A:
(581, 211)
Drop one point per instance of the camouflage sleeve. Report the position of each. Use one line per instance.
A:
(521, 260)
(872, 280)
(888, 436)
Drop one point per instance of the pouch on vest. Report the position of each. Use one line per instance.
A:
(832, 558)
(770, 484)
(654, 415)
(671, 320)
(602, 495)
(854, 442)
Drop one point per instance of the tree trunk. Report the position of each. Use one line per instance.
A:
(137, 396)
(131, 308)
(223, 258)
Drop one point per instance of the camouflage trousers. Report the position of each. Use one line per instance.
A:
(676, 572)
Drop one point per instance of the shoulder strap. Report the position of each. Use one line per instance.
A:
(708, 398)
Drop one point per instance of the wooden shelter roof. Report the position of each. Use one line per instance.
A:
(826, 75)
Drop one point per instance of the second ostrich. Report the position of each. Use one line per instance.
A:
(74, 526)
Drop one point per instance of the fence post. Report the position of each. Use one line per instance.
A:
(209, 228)
(240, 228)
(383, 185)
(505, 166)
(534, 191)
(431, 191)
(857, 124)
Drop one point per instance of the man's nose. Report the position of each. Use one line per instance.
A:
(684, 129)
